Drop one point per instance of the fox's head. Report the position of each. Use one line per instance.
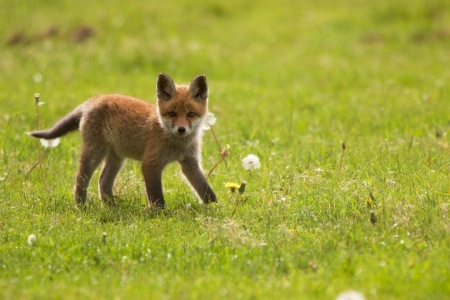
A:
(181, 108)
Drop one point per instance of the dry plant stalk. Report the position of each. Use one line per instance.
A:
(38, 163)
(370, 192)
(36, 97)
(237, 203)
(218, 144)
(223, 152)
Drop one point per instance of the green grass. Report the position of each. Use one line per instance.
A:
(289, 81)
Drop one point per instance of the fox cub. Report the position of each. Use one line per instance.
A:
(115, 127)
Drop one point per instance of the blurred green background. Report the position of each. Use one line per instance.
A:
(347, 65)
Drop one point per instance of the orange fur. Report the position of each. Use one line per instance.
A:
(115, 127)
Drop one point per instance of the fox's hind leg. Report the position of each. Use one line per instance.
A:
(113, 164)
(152, 171)
(91, 157)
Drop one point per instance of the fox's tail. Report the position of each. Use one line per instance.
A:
(69, 123)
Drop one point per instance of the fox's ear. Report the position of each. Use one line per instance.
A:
(165, 88)
(199, 88)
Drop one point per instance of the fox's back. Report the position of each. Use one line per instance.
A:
(122, 121)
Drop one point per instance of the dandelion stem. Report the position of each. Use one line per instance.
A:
(342, 157)
(39, 148)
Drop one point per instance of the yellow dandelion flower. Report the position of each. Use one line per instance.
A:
(232, 185)
(369, 202)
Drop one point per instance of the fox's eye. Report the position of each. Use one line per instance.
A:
(191, 115)
(172, 114)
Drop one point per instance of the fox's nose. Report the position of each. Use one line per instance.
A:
(181, 129)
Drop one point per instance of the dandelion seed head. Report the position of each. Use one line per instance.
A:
(50, 143)
(31, 239)
(350, 295)
(209, 120)
(37, 77)
(251, 162)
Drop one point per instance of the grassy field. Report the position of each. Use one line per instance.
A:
(290, 81)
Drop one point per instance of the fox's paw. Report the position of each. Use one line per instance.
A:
(153, 207)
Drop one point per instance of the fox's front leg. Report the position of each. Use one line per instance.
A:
(193, 172)
(152, 176)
